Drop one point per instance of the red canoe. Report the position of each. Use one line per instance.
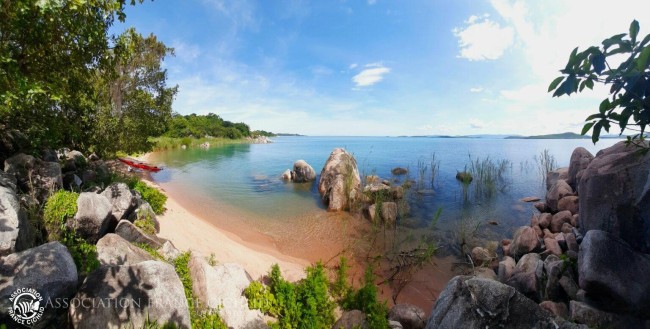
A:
(140, 165)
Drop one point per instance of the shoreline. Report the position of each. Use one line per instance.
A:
(188, 231)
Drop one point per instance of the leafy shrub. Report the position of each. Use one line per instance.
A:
(152, 195)
(365, 300)
(58, 208)
(83, 253)
(61, 206)
(146, 224)
(305, 304)
(341, 287)
(260, 298)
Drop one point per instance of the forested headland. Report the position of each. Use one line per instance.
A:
(67, 81)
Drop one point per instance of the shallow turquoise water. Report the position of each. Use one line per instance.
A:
(246, 176)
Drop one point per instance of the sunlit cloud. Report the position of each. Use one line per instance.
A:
(476, 89)
(373, 74)
(483, 39)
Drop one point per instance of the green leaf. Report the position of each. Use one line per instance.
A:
(645, 41)
(582, 85)
(596, 132)
(554, 84)
(624, 117)
(604, 106)
(642, 61)
(586, 128)
(594, 116)
(598, 61)
(590, 83)
(572, 59)
(613, 40)
(634, 30)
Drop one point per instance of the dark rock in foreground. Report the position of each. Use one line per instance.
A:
(614, 273)
(48, 269)
(468, 302)
(148, 290)
(615, 197)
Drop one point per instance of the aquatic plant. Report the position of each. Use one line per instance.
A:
(545, 164)
(434, 165)
(489, 176)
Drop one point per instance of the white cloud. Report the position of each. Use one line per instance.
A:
(476, 89)
(372, 2)
(483, 39)
(371, 75)
(353, 66)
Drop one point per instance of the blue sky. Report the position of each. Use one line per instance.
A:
(379, 67)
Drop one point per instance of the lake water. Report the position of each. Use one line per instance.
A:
(247, 176)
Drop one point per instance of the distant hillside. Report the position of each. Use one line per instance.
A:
(567, 135)
(285, 134)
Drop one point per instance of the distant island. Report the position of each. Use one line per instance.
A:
(567, 135)
(285, 134)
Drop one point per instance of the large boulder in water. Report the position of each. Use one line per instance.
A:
(138, 294)
(303, 172)
(615, 195)
(468, 302)
(48, 269)
(558, 190)
(339, 183)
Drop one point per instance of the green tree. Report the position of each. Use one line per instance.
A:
(49, 53)
(135, 100)
(628, 105)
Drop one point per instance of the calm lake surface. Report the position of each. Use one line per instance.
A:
(246, 176)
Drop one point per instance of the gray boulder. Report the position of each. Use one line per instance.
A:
(557, 191)
(580, 159)
(595, 318)
(14, 225)
(148, 290)
(559, 219)
(114, 250)
(221, 288)
(168, 251)
(48, 269)
(557, 309)
(48, 179)
(122, 200)
(614, 273)
(527, 276)
(409, 316)
(8, 181)
(93, 217)
(615, 195)
(468, 302)
(339, 182)
(506, 268)
(78, 157)
(354, 319)
(144, 212)
(20, 165)
(132, 233)
(303, 172)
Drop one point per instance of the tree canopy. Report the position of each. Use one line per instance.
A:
(628, 106)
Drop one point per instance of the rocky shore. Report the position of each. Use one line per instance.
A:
(580, 263)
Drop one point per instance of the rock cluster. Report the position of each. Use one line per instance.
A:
(581, 258)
